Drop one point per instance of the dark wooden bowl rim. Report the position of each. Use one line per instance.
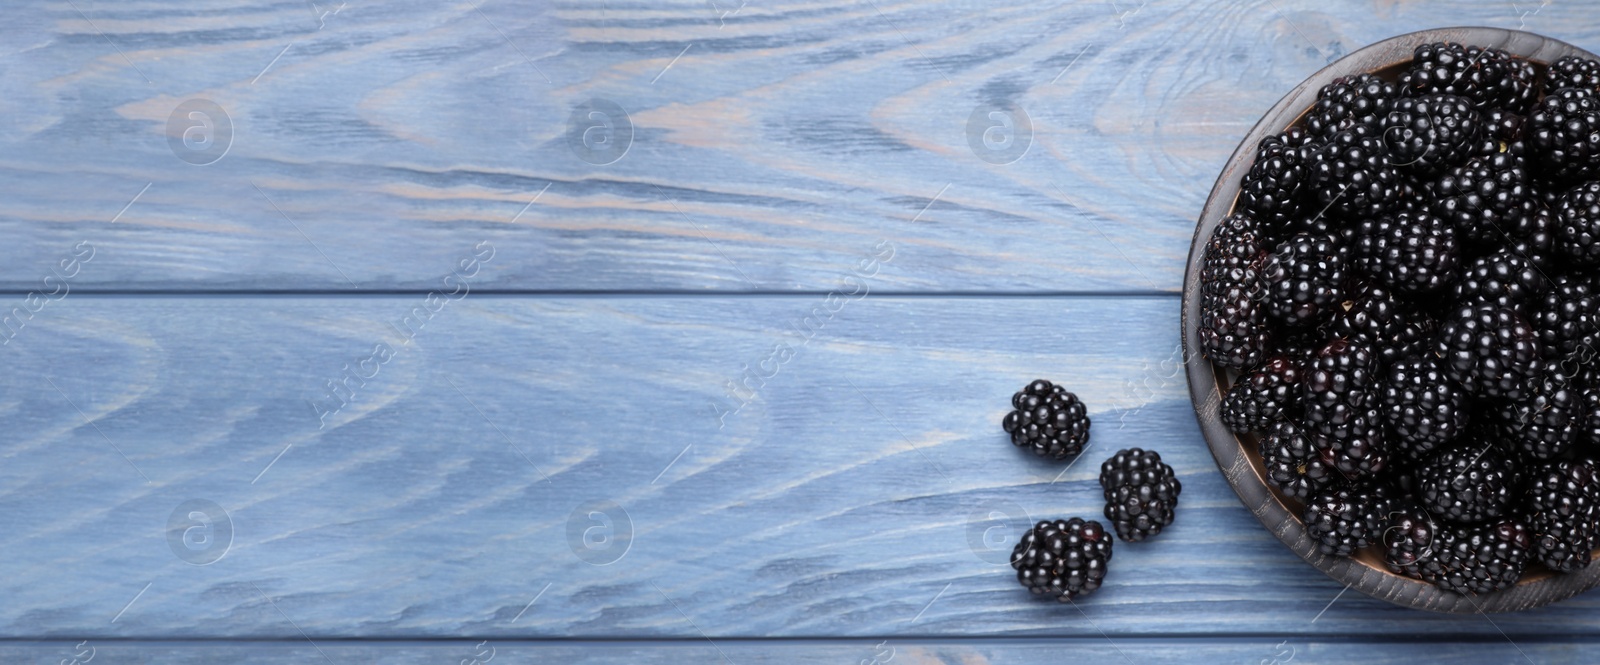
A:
(1235, 455)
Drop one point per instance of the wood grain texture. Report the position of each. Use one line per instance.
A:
(769, 141)
(843, 500)
(852, 652)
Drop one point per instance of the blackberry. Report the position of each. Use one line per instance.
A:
(1048, 420)
(1483, 76)
(1531, 235)
(1411, 252)
(1431, 132)
(1545, 422)
(1483, 558)
(1467, 483)
(1271, 191)
(1521, 86)
(1482, 196)
(1424, 409)
(1578, 223)
(1568, 316)
(1372, 317)
(1344, 519)
(1564, 133)
(1351, 174)
(1335, 388)
(1563, 507)
(1589, 412)
(1362, 99)
(1501, 278)
(1357, 451)
(1269, 393)
(1574, 72)
(1408, 544)
(1141, 493)
(1301, 277)
(1489, 349)
(1064, 559)
(1292, 461)
(1232, 327)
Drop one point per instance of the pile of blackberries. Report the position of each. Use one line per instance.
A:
(1409, 290)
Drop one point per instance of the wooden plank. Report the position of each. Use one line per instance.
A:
(770, 140)
(482, 480)
(914, 651)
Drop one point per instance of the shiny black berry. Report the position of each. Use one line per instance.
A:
(1293, 463)
(1048, 420)
(1269, 393)
(1141, 493)
(1064, 559)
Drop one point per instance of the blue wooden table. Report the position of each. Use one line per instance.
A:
(625, 332)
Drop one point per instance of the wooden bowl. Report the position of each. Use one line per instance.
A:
(1237, 456)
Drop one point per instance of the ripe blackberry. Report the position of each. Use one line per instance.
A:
(1467, 483)
(1564, 134)
(1371, 316)
(1269, 393)
(1408, 543)
(1485, 77)
(1063, 559)
(1357, 451)
(1562, 503)
(1271, 191)
(1344, 519)
(1488, 348)
(1501, 278)
(1301, 277)
(1352, 175)
(1412, 253)
(1424, 409)
(1048, 420)
(1521, 86)
(1482, 558)
(1545, 422)
(1574, 72)
(1335, 388)
(1578, 223)
(1568, 316)
(1293, 463)
(1482, 196)
(1589, 411)
(1531, 235)
(1431, 132)
(1141, 493)
(1232, 329)
(1362, 99)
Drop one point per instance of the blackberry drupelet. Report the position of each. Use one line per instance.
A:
(1232, 329)
(1373, 317)
(1413, 253)
(1482, 196)
(1301, 277)
(1578, 223)
(1563, 133)
(1431, 132)
(1272, 191)
(1562, 503)
(1351, 174)
(1485, 77)
(1568, 316)
(1064, 559)
(1466, 484)
(1424, 409)
(1269, 393)
(1293, 463)
(1482, 558)
(1574, 72)
(1344, 519)
(1048, 420)
(1362, 99)
(1501, 278)
(1488, 349)
(1544, 423)
(1408, 543)
(1335, 388)
(1141, 493)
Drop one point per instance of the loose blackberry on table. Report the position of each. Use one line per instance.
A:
(1064, 559)
(1048, 420)
(1141, 493)
(1409, 296)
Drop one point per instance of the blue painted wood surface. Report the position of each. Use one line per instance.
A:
(733, 396)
